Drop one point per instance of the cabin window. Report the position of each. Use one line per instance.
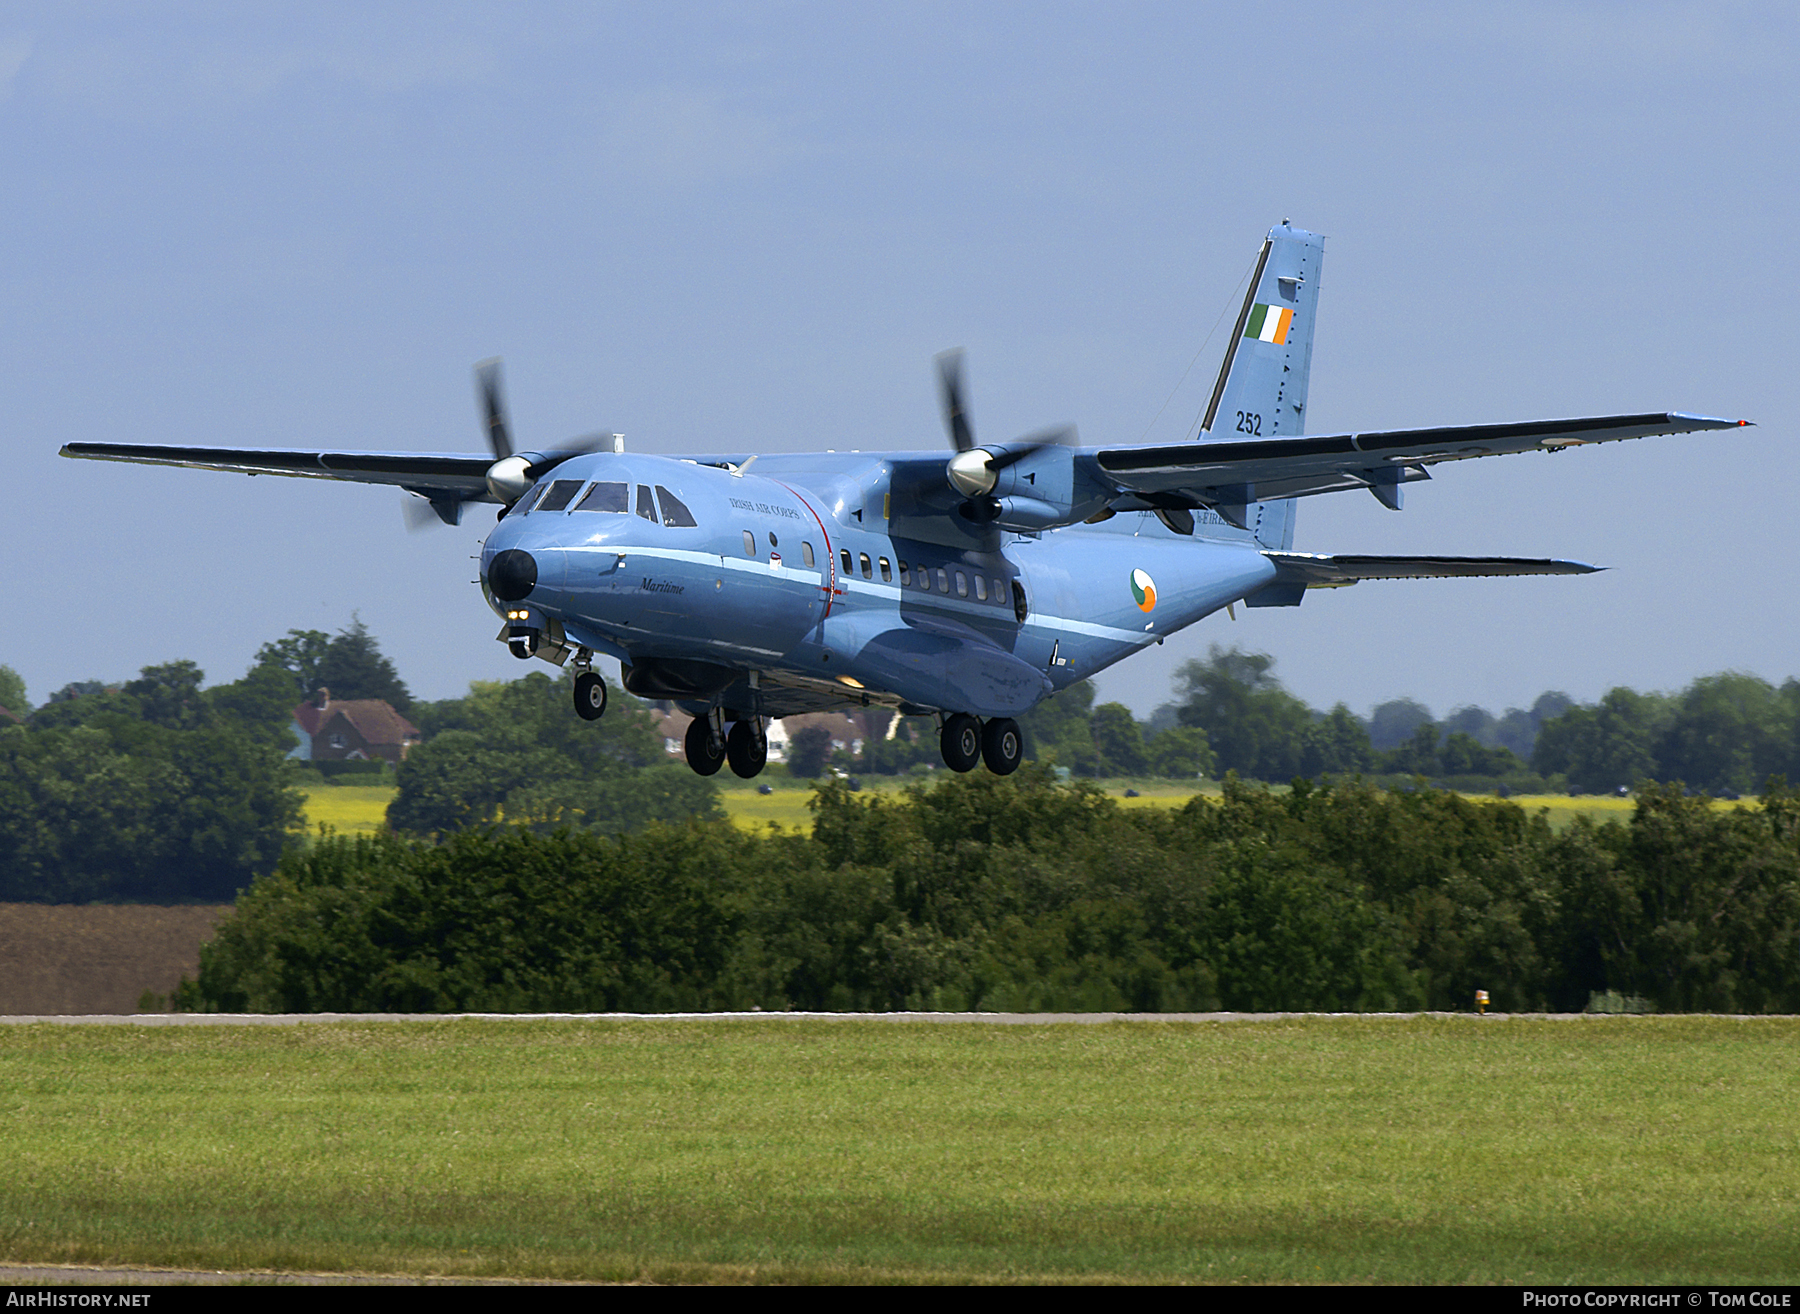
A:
(773, 541)
(561, 493)
(1000, 591)
(1019, 608)
(905, 575)
(606, 497)
(980, 589)
(887, 573)
(924, 579)
(646, 507)
(749, 544)
(806, 553)
(962, 585)
(844, 560)
(943, 580)
(675, 513)
(868, 571)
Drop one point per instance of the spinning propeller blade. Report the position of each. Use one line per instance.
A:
(950, 392)
(493, 408)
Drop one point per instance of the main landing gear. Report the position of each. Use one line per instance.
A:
(965, 742)
(745, 747)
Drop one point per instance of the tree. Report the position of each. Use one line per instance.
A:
(1394, 723)
(350, 664)
(300, 655)
(12, 692)
(808, 749)
(1254, 726)
(353, 667)
(261, 704)
(169, 695)
(123, 808)
(1059, 727)
(518, 753)
(1726, 732)
(1119, 741)
(1337, 744)
(1181, 753)
(1609, 746)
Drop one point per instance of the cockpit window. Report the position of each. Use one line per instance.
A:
(646, 507)
(675, 515)
(606, 497)
(561, 493)
(524, 504)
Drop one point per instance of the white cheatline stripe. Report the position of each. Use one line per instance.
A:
(711, 560)
(889, 592)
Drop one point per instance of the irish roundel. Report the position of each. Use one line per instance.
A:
(1143, 588)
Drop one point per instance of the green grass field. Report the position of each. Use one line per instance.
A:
(1623, 1150)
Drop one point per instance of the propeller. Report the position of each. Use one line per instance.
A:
(512, 472)
(974, 471)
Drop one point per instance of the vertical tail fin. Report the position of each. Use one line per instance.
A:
(1261, 390)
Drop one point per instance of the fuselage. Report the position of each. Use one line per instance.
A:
(800, 583)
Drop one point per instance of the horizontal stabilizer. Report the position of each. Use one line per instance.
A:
(1312, 571)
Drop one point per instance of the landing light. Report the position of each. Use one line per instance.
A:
(854, 684)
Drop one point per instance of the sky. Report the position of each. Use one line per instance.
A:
(750, 227)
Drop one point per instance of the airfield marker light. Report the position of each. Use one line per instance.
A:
(1481, 1001)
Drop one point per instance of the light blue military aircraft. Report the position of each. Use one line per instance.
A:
(965, 587)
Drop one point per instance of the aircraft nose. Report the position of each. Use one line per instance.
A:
(513, 574)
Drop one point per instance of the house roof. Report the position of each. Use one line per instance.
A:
(376, 721)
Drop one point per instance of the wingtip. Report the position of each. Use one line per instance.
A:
(1710, 421)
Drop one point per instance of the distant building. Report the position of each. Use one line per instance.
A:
(350, 729)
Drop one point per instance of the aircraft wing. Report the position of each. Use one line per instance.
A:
(1328, 572)
(1232, 472)
(447, 474)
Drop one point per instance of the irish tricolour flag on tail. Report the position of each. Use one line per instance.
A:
(1269, 323)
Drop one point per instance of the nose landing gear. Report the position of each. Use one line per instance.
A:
(590, 696)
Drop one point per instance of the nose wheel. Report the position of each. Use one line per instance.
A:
(590, 696)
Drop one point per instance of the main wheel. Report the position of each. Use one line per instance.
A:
(704, 753)
(1002, 746)
(961, 742)
(590, 696)
(746, 750)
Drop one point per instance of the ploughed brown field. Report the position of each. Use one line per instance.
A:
(97, 958)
